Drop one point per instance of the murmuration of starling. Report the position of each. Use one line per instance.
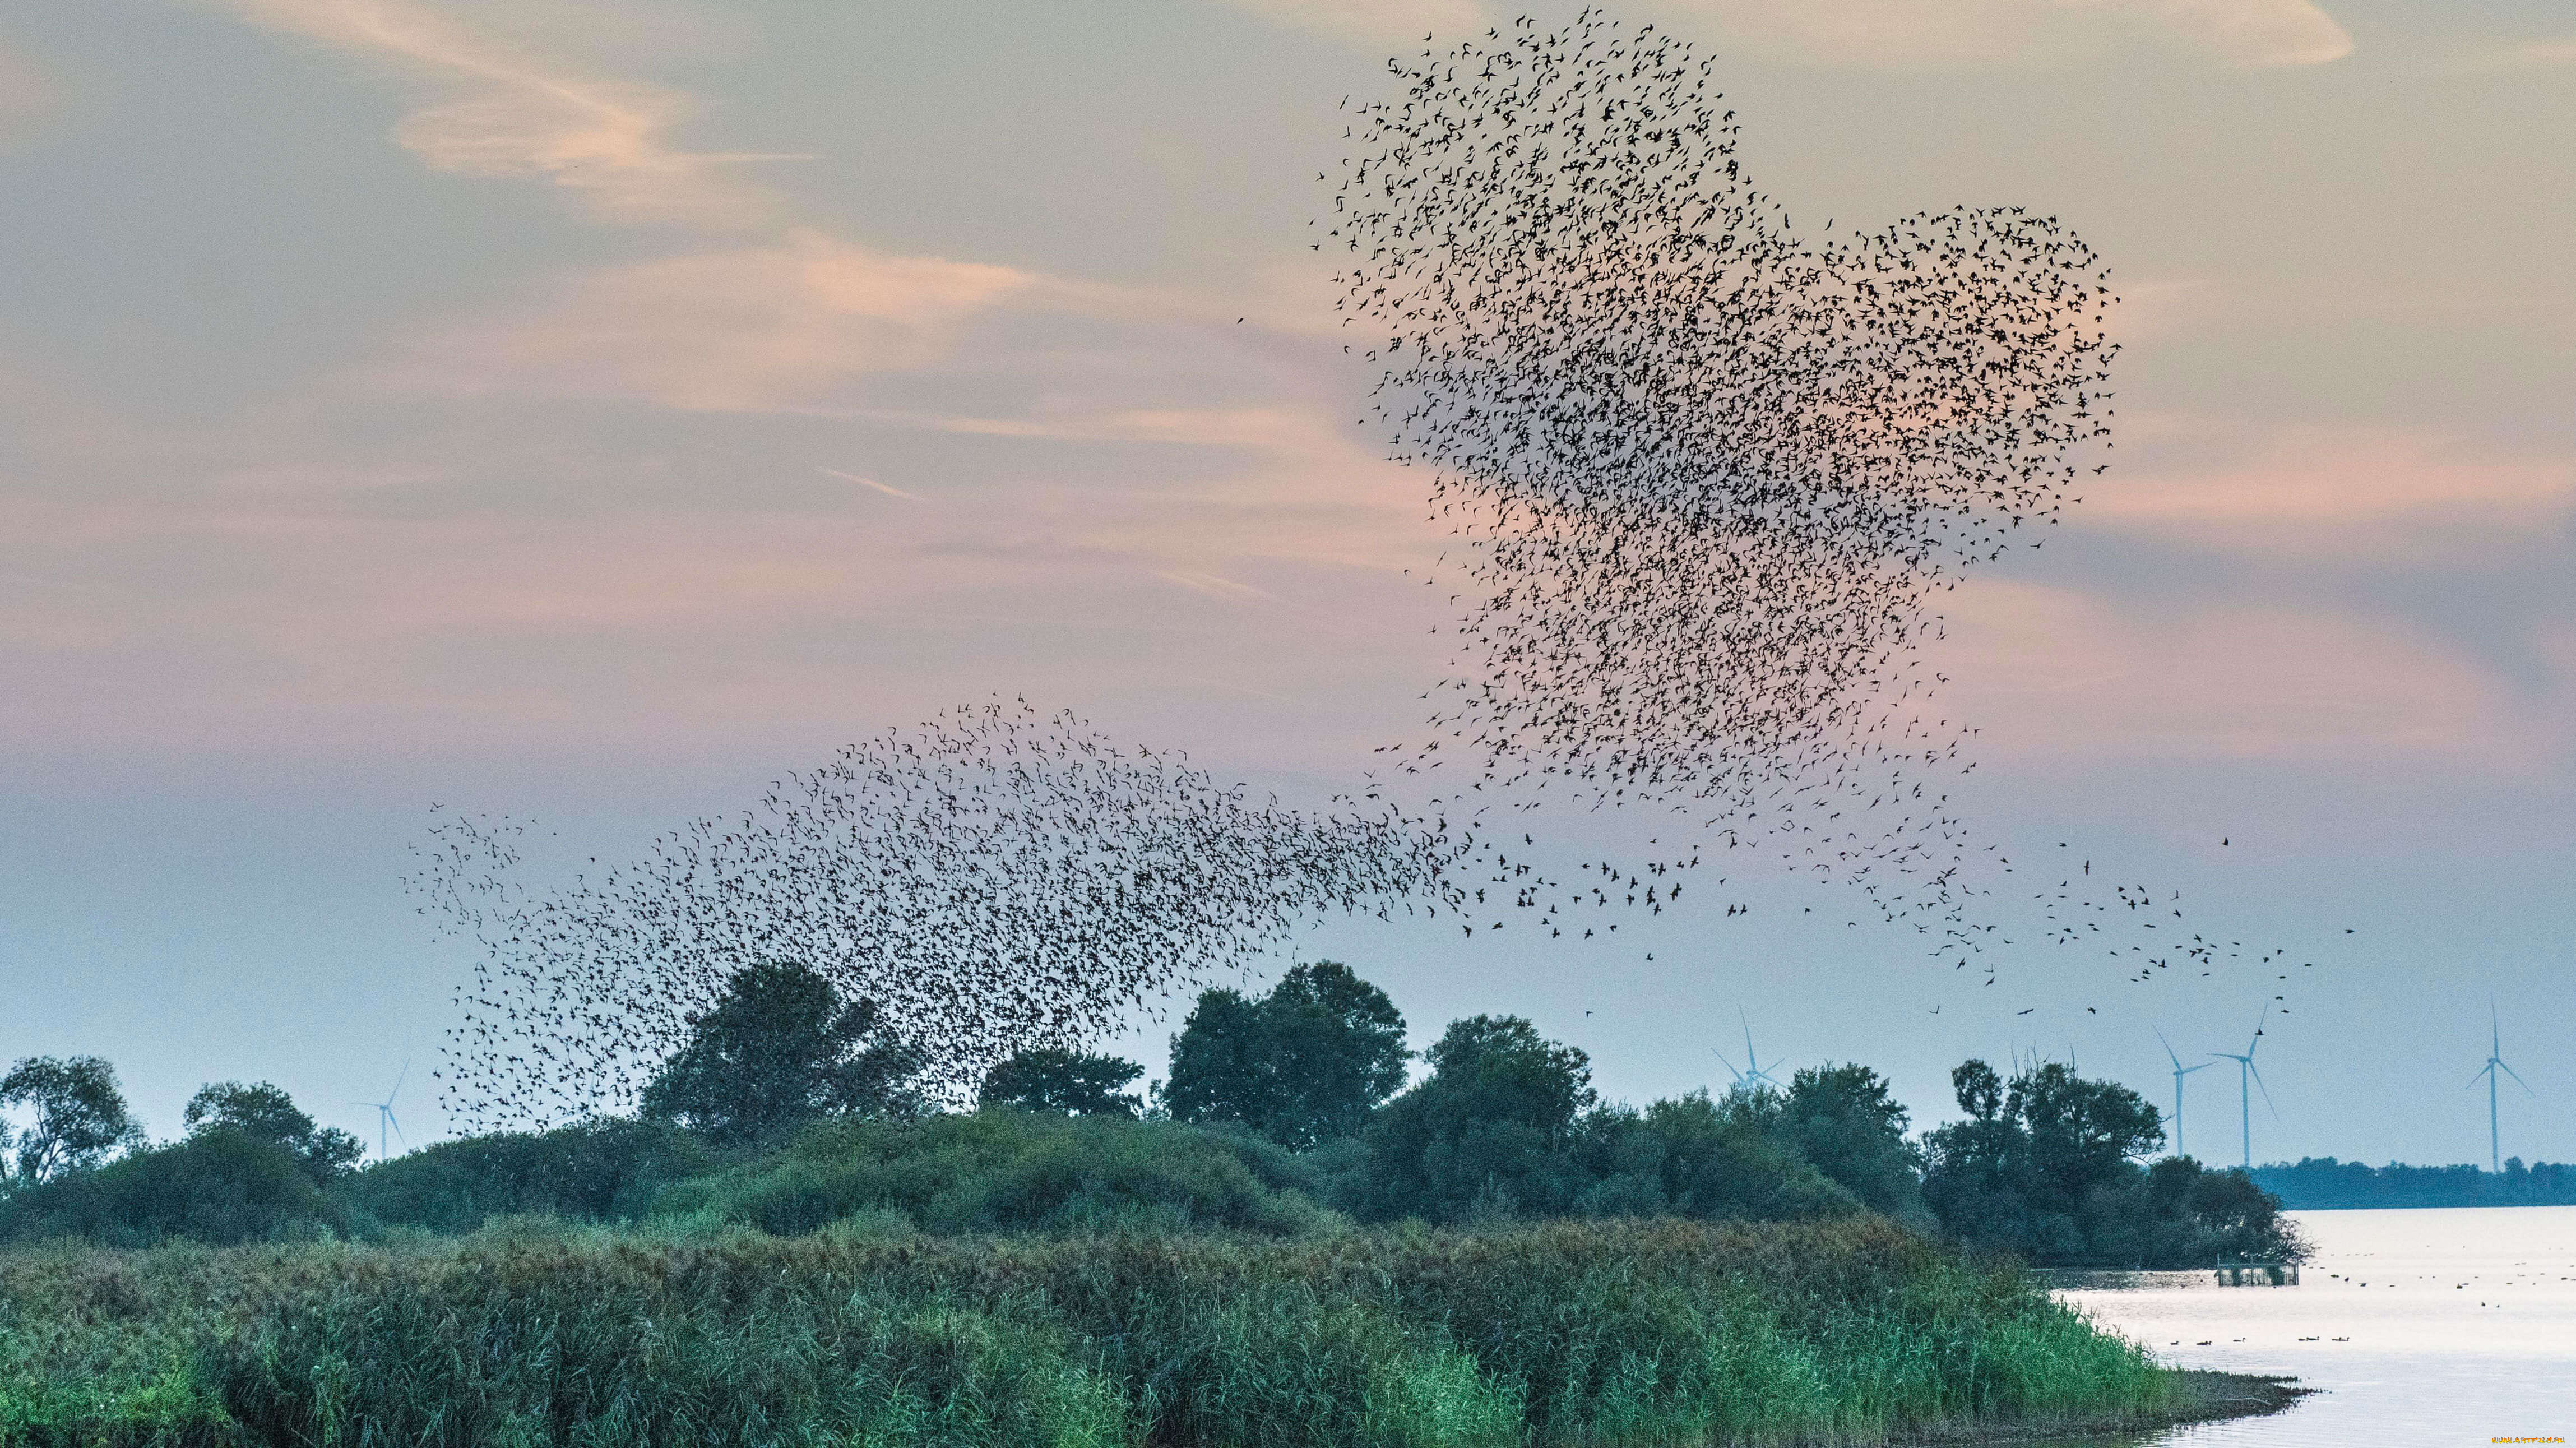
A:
(1704, 474)
(992, 880)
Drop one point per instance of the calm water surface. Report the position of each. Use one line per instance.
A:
(2420, 1328)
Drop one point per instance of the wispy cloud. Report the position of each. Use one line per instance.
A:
(2058, 672)
(1372, 22)
(749, 330)
(1974, 32)
(2249, 32)
(2348, 493)
(505, 112)
(886, 488)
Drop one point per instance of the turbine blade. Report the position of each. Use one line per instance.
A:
(2483, 1073)
(2169, 1050)
(2266, 1090)
(2517, 1078)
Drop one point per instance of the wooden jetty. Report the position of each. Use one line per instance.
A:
(2258, 1274)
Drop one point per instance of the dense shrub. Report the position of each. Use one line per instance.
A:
(1007, 1170)
(220, 1186)
(1694, 1157)
(608, 1170)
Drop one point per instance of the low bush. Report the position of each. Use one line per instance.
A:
(217, 1186)
(1006, 1170)
(603, 1171)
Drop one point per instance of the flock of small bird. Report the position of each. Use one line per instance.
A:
(992, 880)
(1705, 474)
(1706, 477)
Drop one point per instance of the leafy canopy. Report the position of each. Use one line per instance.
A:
(81, 1118)
(2045, 1167)
(266, 1113)
(780, 1048)
(1068, 1083)
(1302, 1065)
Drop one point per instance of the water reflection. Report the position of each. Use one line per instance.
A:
(2418, 1327)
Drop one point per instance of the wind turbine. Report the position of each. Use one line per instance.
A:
(2495, 1063)
(2180, 1070)
(385, 1113)
(2244, 1092)
(1755, 1073)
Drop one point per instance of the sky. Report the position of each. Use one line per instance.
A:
(590, 411)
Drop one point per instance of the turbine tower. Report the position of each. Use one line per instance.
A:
(2247, 1079)
(1754, 1072)
(2179, 1071)
(385, 1113)
(2495, 1063)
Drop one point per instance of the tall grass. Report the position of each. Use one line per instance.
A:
(534, 1333)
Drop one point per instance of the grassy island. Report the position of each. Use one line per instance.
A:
(528, 1332)
(1264, 1257)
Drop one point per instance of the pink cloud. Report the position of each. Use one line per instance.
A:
(505, 111)
(749, 330)
(1971, 32)
(2346, 492)
(2050, 672)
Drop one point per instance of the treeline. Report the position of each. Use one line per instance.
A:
(791, 1109)
(2321, 1183)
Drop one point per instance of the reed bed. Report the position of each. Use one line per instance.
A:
(691, 1332)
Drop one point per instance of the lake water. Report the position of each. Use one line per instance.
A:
(2419, 1328)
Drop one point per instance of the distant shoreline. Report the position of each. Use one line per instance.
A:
(2434, 1207)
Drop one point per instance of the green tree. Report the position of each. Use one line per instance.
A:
(264, 1112)
(1071, 1083)
(1694, 1157)
(80, 1114)
(217, 1186)
(1488, 1134)
(1302, 1065)
(2044, 1167)
(1846, 1123)
(780, 1048)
